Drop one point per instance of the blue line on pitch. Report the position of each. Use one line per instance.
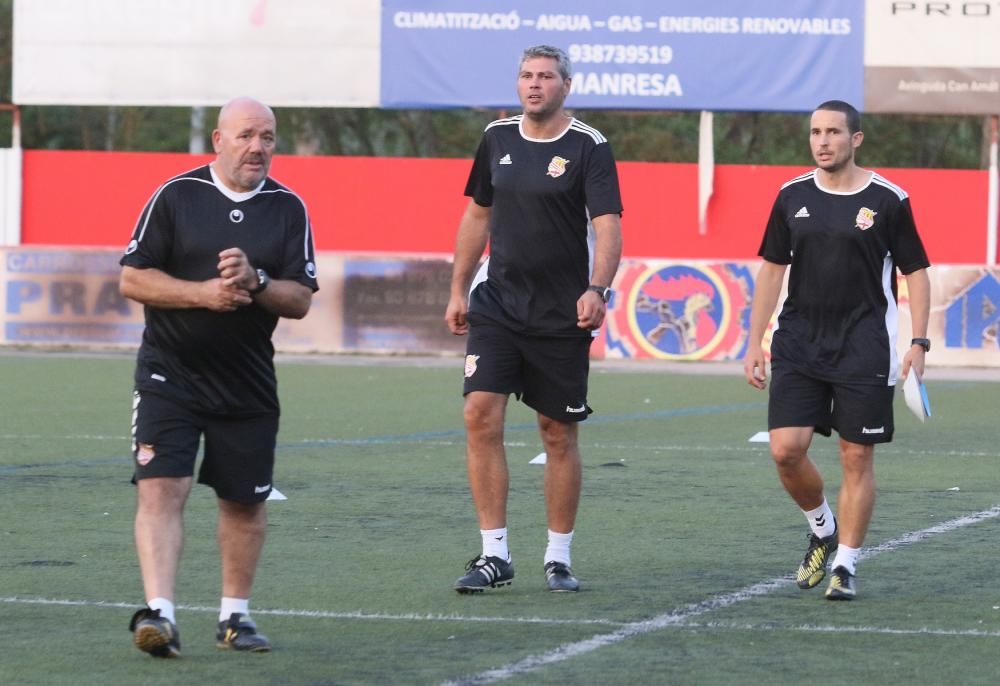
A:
(11, 469)
(458, 433)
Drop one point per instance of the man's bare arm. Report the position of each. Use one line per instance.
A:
(473, 234)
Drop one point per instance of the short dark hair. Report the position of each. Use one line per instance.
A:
(562, 60)
(853, 116)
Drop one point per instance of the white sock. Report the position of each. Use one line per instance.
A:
(558, 548)
(846, 557)
(166, 608)
(231, 605)
(821, 520)
(495, 543)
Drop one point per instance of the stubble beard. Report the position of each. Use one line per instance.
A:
(834, 165)
(546, 113)
(249, 180)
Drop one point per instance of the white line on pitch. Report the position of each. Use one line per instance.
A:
(319, 614)
(923, 631)
(681, 615)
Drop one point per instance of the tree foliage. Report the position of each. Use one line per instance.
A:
(740, 137)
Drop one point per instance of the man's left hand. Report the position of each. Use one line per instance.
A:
(590, 310)
(914, 358)
(235, 269)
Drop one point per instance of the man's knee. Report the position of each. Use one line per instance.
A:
(249, 516)
(790, 446)
(558, 437)
(484, 414)
(163, 494)
(788, 454)
(856, 458)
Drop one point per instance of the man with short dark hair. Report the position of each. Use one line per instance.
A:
(845, 231)
(544, 194)
(219, 254)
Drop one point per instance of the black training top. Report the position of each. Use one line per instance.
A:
(839, 321)
(543, 194)
(217, 362)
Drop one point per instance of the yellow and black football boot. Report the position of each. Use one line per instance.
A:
(813, 567)
(841, 585)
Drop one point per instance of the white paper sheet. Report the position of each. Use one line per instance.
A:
(915, 395)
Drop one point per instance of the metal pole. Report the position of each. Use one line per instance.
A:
(706, 168)
(994, 196)
(15, 129)
(11, 181)
(196, 142)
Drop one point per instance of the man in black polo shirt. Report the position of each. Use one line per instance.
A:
(845, 231)
(218, 255)
(544, 194)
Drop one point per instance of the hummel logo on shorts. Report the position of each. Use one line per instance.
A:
(582, 408)
(876, 430)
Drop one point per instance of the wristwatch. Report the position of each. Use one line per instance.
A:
(924, 343)
(263, 280)
(603, 291)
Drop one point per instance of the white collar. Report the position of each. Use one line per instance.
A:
(230, 193)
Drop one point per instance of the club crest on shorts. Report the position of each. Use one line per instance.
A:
(865, 218)
(470, 365)
(145, 454)
(557, 167)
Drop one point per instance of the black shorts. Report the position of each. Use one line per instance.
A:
(547, 373)
(860, 413)
(239, 451)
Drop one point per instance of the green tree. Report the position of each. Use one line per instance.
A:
(6, 65)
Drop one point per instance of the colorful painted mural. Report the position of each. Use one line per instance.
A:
(679, 311)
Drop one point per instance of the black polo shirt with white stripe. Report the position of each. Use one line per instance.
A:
(217, 362)
(839, 321)
(543, 194)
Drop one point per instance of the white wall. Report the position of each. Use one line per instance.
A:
(286, 53)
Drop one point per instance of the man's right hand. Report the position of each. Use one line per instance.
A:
(754, 367)
(454, 316)
(219, 297)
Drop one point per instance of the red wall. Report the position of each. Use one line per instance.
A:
(413, 205)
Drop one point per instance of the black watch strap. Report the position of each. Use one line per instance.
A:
(924, 343)
(263, 281)
(603, 291)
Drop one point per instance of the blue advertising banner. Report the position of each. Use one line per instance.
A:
(767, 55)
